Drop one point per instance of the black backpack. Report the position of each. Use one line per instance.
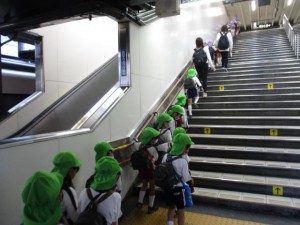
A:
(140, 159)
(223, 42)
(90, 216)
(165, 175)
(199, 57)
(189, 83)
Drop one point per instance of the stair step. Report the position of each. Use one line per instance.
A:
(247, 167)
(254, 91)
(250, 140)
(286, 84)
(244, 129)
(247, 112)
(246, 183)
(278, 204)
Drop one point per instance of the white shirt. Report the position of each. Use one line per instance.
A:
(110, 208)
(67, 206)
(166, 135)
(181, 167)
(229, 36)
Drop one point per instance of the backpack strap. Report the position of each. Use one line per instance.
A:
(93, 203)
(69, 192)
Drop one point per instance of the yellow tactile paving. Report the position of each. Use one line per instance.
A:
(140, 217)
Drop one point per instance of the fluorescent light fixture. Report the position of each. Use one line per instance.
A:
(197, 3)
(289, 2)
(253, 5)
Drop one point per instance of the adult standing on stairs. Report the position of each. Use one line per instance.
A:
(224, 43)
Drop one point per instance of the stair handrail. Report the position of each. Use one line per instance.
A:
(293, 38)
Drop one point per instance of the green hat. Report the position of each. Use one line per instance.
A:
(64, 161)
(181, 99)
(164, 117)
(178, 130)
(191, 73)
(102, 149)
(147, 134)
(176, 109)
(179, 143)
(41, 198)
(106, 169)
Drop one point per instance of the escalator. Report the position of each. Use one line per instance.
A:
(82, 106)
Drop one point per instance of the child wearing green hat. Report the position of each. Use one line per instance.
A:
(67, 164)
(193, 92)
(176, 112)
(181, 130)
(102, 149)
(175, 197)
(42, 196)
(105, 179)
(149, 138)
(181, 101)
(163, 126)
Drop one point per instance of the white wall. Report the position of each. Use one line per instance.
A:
(158, 53)
(71, 52)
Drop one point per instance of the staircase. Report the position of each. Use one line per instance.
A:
(247, 132)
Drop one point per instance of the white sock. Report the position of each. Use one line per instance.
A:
(170, 222)
(151, 200)
(190, 109)
(141, 196)
(196, 99)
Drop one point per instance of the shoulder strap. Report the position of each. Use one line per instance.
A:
(103, 197)
(68, 190)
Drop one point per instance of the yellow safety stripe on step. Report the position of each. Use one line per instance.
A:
(265, 49)
(207, 130)
(221, 88)
(270, 86)
(140, 217)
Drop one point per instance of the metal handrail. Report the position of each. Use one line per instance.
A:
(294, 39)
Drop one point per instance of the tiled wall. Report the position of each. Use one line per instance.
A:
(158, 53)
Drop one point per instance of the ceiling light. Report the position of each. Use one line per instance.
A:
(253, 5)
(289, 2)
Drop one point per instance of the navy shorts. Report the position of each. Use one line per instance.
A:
(192, 93)
(175, 196)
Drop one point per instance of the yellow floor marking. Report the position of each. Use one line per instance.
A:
(140, 217)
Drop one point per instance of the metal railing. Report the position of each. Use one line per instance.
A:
(292, 36)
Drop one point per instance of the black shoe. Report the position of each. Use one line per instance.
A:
(139, 205)
(152, 209)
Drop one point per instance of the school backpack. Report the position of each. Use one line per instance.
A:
(140, 159)
(90, 216)
(164, 174)
(223, 42)
(189, 83)
(199, 57)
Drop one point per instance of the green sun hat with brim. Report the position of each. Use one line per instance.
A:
(191, 73)
(176, 109)
(147, 135)
(106, 170)
(64, 161)
(102, 148)
(179, 143)
(164, 117)
(178, 130)
(41, 198)
(181, 99)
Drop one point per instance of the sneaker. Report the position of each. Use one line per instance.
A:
(204, 94)
(152, 209)
(225, 69)
(139, 205)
